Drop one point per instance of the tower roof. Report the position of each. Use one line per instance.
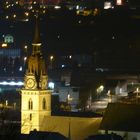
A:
(36, 39)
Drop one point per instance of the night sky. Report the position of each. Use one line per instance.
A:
(112, 38)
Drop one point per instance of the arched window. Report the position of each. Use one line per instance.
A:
(44, 103)
(30, 104)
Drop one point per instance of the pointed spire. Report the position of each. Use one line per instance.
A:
(36, 42)
(37, 33)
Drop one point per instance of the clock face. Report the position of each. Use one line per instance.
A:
(30, 83)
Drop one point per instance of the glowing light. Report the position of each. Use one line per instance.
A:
(69, 98)
(4, 45)
(25, 47)
(51, 57)
(7, 17)
(12, 83)
(26, 14)
(7, 6)
(108, 93)
(119, 2)
(63, 66)
(20, 69)
(100, 89)
(107, 5)
(51, 85)
(79, 21)
(34, 2)
(25, 58)
(14, 16)
(57, 7)
(77, 7)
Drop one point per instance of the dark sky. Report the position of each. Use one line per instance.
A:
(114, 36)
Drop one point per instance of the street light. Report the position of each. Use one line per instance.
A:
(25, 48)
(51, 57)
(25, 58)
(51, 61)
(110, 96)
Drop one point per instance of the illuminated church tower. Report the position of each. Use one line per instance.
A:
(36, 99)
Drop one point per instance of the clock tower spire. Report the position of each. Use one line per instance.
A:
(35, 97)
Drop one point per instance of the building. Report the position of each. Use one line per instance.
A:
(36, 99)
(36, 103)
(122, 119)
(9, 56)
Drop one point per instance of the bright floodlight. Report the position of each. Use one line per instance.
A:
(51, 85)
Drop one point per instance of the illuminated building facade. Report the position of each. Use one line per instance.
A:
(36, 103)
(9, 56)
(36, 99)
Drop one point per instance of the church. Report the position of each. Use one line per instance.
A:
(36, 102)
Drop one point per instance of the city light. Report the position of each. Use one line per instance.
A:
(100, 89)
(107, 5)
(51, 57)
(51, 85)
(20, 69)
(7, 17)
(70, 56)
(57, 7)
(25, 47)
(4, 45)
(25, 58)
(26, 14)
(11, 83)
(62, 66)
(14, 16)
(119, 2)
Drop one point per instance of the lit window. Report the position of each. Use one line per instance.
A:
(119, 2)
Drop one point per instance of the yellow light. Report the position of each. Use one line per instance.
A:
(14, 16)
(25, 47)
(4, 45)
(26, 14)
(119, 2)
(100, 89)
(51, 57)
(7, 17)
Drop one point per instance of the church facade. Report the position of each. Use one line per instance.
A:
(36, 99)
(36, 102)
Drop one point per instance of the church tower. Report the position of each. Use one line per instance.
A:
(35, 97)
